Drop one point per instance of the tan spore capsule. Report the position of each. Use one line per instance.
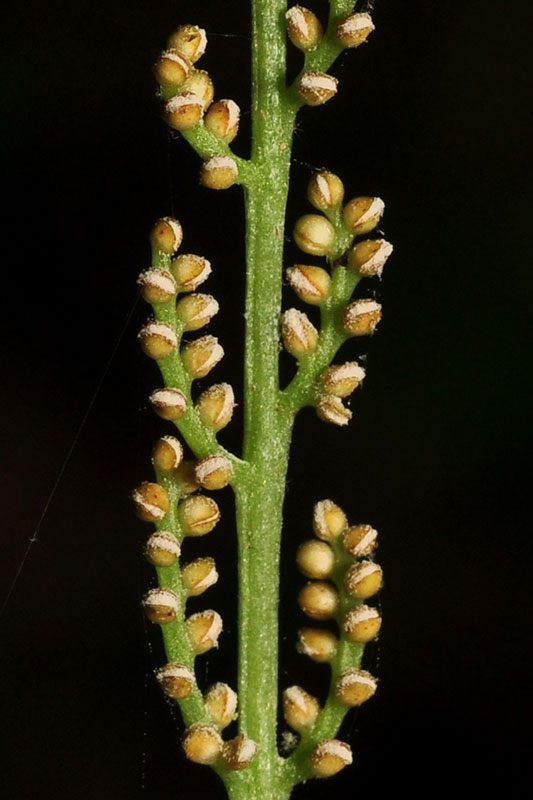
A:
(237, 753)
(151, 502)
(330, 408)
(355, 686)
(342, 379)
(369, 257)
(167, 453)
(158, 340)
(169, 404)
(166, 235)
(199, 357)
(362, 624)
(184, 111)
(198, 514)
(157, 286)
(354, 29)
(329, 757)
(361, 317)
(214, 472)
(190, 271)
(329, 520)
(203, 630)
(199, 575)
(196, 310)
(220, 172)
(202, 744)
(300, 709)
(314, 234)
(363, 580)
(303, 28)
(316, 88)
(299, 335)
(215, 406)
(362, 214)
(318, 599)
(325, 191)
(172, 69)
(162, 549)
(315, 559)
(161, 606)
(360, 540)
(318, 645)
(311, 284)
(201, 85)
(176, 680)
(185, 477)
(222, 120)
(188, 40)
(221, 704)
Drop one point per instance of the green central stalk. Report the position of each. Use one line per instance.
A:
(267, 428)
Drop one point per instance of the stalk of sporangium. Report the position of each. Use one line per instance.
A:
(340, 576)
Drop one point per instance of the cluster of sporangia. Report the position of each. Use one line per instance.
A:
(342, 576)
(175, 504)
(319, 235)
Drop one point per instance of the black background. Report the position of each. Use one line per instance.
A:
(433, 115)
